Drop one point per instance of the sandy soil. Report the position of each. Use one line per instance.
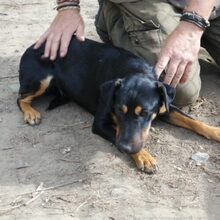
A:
(60, 170)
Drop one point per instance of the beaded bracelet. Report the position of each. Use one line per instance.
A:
(67, 6)
(67, 1)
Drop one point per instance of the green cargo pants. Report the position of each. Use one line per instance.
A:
(141, 26)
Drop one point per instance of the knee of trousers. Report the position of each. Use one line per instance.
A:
(188, 92)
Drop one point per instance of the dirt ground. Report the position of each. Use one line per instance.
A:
(60, 170)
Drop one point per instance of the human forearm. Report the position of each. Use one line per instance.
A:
(202, 8)
(195, 17)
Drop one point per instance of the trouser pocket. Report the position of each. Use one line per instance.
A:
(144, 35)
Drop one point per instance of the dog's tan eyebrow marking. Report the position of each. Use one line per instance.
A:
(124, 109)
(138, 110)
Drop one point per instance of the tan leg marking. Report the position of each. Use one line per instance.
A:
(32, 116)
(145, 161)
(162, 109)
(199, 127)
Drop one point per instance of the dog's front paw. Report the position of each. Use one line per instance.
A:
(145, 162)
(32, 117)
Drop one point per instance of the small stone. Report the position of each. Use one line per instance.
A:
(210, 181)
(66, 150)
(200, 158)
(201, 147)
(178, 168)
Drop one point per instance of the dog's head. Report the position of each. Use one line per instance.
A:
(135, 102)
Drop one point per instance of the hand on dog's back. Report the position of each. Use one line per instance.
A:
(57, 37)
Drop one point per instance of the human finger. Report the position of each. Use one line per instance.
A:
(186, 73)
(161, 65)
(54, 46)
(171, 71)
(48, 45)
(179, 73)
(80, 32)
(41, 40)
(64, 43)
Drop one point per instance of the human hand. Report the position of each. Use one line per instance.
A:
(66, 24)
(178, 53)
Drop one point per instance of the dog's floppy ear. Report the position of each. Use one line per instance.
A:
(103, 118)
(107, 91)
(167, 92)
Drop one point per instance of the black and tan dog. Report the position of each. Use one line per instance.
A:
(119, 88)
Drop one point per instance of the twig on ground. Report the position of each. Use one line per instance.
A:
(36, 194)
(9, 77)
(82, 204)
(211, 172)
(7, 148)
(62, 185)
(22, 167)
(15, 201)
(62, 199)
(71, 125)
(70, 161)
(33, 199)
(15, 4)
(33, 3)
(86, 126)
(5, 211)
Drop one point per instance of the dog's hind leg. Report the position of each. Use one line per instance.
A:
(32, 116)
(177, 117)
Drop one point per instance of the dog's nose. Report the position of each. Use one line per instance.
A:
(126, 148)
